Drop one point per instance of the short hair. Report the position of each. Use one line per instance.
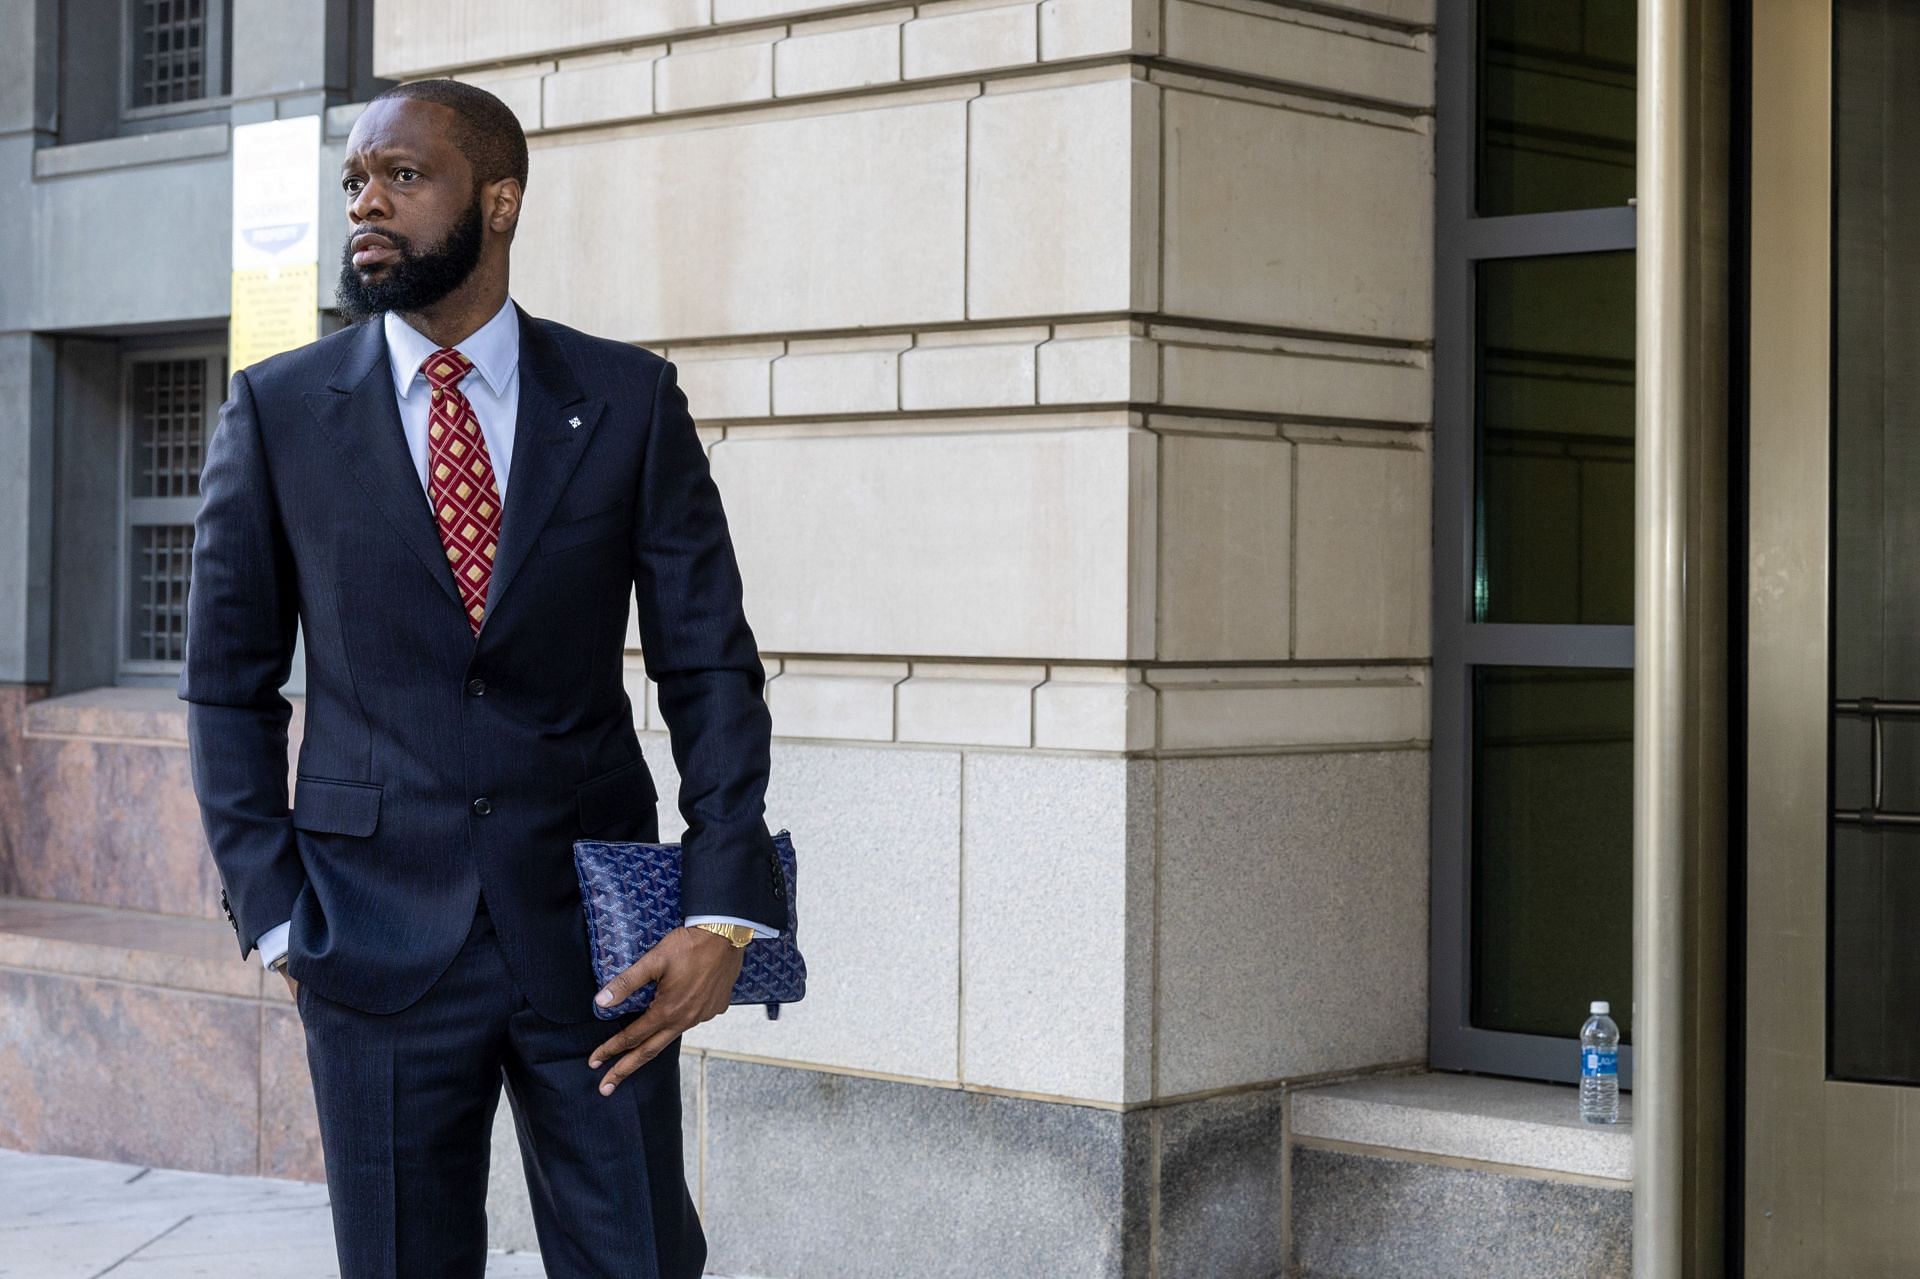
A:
(488, 132)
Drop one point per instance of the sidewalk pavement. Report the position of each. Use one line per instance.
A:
(63, 1218)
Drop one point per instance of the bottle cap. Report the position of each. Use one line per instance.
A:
(1600, 1008)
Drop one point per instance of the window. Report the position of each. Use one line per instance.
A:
(176, 54)
(1554, 117)
(169, 52)
(141, 66)
(170, 402)
(1533, 531)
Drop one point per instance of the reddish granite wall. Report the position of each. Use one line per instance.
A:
(130, 1028)
(102, 808)
(13, 703)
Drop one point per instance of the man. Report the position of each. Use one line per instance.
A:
(458, 501)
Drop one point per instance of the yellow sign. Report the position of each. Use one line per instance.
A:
(274, 310)
(276, 209)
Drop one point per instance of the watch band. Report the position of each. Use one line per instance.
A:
(737, 934)
(278, 963)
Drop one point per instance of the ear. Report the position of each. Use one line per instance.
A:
(501, 201)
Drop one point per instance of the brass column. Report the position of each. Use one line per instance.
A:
(1680, 639)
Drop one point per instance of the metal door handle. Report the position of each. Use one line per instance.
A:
(1876, 712)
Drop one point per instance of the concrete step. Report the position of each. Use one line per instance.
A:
(145, 1038)
(1440, 1175)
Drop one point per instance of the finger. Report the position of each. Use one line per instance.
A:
(635, 1031)
(639, 1057)
(643, 970)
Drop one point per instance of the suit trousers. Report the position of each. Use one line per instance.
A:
(406, 1103)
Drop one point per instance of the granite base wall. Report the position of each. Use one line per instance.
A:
(140, 1038)
(99, 805)
(13, 706)
(811, 1174)
(1358, 1216)
(803, 1173)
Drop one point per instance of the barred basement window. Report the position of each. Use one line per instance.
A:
(171, 401)
(170, 410)
(162, 561)
(176, 53)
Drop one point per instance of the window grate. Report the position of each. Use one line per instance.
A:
(162, 562)
(170, 409)
(170, 52)
(170, 398)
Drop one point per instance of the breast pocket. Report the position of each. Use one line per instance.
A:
(588, 528)
(336, 807)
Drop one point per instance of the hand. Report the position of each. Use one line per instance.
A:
(695, 970)
(293, 987)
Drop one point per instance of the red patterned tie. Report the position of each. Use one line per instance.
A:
(460, 480)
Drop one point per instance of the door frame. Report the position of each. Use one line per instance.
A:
(1789, 470)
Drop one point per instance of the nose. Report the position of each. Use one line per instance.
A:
(369, 202)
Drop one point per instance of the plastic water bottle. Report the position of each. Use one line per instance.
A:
(1600, 1067)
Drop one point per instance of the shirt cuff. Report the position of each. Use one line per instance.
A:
(273, 943)
(759, 930)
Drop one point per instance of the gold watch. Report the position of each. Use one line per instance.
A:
(738, 934)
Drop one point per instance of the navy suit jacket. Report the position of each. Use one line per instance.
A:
(436, 765)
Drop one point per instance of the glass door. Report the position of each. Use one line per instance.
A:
(1832, 1046)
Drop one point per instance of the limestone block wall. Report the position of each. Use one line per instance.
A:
(1065, 370)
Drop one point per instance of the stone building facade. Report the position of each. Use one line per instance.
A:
(1066, 372)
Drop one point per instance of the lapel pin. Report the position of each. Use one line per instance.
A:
(574, 422)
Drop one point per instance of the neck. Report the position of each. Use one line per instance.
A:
(457, 316)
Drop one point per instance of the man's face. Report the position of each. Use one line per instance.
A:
(418, 222)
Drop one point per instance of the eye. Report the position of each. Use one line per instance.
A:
(352, 185)
(405, 175)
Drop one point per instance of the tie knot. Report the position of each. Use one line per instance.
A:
(445, 368)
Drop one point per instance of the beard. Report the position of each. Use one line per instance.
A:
(414, 279)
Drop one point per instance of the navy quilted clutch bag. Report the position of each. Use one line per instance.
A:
(631, 892)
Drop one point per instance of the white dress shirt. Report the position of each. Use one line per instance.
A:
(494, 349)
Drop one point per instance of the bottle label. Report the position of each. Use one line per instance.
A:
(1596, 1062)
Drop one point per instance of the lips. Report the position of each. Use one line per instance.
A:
(371, 250)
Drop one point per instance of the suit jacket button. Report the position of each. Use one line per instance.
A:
(477, 687)
(482, 806)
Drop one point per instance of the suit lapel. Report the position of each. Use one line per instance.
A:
(359, 411)
(546, 448)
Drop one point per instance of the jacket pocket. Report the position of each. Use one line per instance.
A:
(588, 528)
(338, 807)
(615, 796)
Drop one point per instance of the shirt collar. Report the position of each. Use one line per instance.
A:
(494, 348)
